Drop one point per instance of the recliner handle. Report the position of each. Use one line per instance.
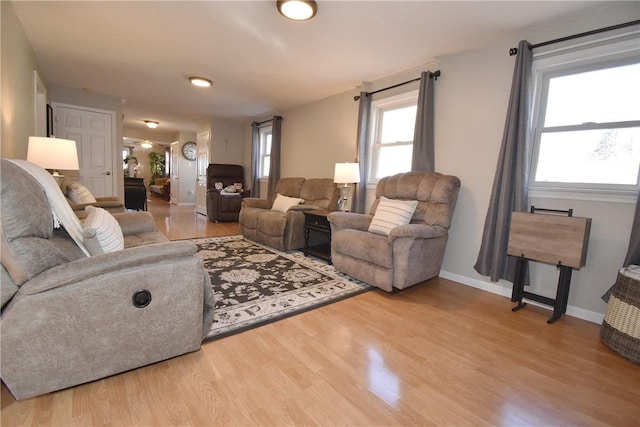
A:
(141, 298)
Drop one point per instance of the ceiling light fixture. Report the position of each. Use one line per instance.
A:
(298, 10)
(200, 81)
(146, 144)
(151, 124)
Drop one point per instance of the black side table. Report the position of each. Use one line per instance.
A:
(317, 234)
(135, 194)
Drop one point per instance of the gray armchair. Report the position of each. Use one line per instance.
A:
(411, 253)
(67, 318)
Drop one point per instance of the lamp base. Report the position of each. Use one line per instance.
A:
(344, 196)
(57, 177)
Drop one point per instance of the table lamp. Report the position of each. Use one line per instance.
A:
(54, 154)
(346, 173)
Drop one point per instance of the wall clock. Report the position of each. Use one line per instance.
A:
(190, 150)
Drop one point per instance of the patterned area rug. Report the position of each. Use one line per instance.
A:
(255, 284)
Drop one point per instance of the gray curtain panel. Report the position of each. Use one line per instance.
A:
(423, 159)
(633, 252)
(510, 184)
(274, 169)
(255, 159)
(364, 118)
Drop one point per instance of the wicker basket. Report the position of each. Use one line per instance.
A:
(621, 326)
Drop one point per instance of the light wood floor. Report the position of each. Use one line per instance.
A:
(439, 353)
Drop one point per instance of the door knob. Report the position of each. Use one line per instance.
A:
(107, 173)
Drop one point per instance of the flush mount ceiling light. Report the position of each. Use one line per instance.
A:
(298, 10)
(151, 124)
(146, 144)
(200, 81)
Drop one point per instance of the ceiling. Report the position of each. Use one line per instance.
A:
(260, 62)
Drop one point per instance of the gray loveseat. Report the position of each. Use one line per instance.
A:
(285, 231)
(68, 318)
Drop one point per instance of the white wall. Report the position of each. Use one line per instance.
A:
(318, 135)
(187, 171)
(226, 142)
(471, 99)
(18, 105)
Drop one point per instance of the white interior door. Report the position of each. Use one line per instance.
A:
(203, 141)
(175, 173)
(93, 132)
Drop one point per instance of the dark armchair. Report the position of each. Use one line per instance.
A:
(222, 203)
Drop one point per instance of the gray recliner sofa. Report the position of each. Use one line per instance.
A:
(285, 231)
(68, 318)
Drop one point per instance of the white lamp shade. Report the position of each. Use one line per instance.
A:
(346, 173)
(53, 153)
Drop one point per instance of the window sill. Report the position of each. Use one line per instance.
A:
(608, 196)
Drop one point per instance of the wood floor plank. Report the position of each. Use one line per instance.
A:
(439, 353)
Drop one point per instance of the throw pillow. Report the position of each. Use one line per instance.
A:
(283, 203)
(79, 194)
(391, 213)
(101, 232)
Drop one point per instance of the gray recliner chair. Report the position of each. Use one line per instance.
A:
(68, 318)
(411, 253)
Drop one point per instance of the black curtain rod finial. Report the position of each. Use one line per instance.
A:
(356, 98)
(513, 51)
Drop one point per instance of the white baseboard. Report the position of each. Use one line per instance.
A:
(580, 313)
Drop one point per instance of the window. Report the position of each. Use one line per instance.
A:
(393, 124)
(587, 120)
(265, 150)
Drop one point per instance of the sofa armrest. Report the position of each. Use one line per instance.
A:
(343, 220)
(304, 207)
(135, 222)
(75, 271)
(254, 202)
(109, 202)
(417, 231)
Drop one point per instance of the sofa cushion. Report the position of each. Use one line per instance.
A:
(283, 203)
(80, 194)
(370, 247)
(436, 195)
(320, 192)
(102, 233)
(272, 223)
(290, 186)
(391, 213)
(142, 239)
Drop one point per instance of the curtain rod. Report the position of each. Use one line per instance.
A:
(266, 121)
(514, 50)
(435, 74)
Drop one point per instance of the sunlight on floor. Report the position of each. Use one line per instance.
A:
(382, 382)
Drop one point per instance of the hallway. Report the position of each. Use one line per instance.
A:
(182, 222)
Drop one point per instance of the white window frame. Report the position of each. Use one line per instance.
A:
(378, 107)
(616, 52)
(263, 132)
